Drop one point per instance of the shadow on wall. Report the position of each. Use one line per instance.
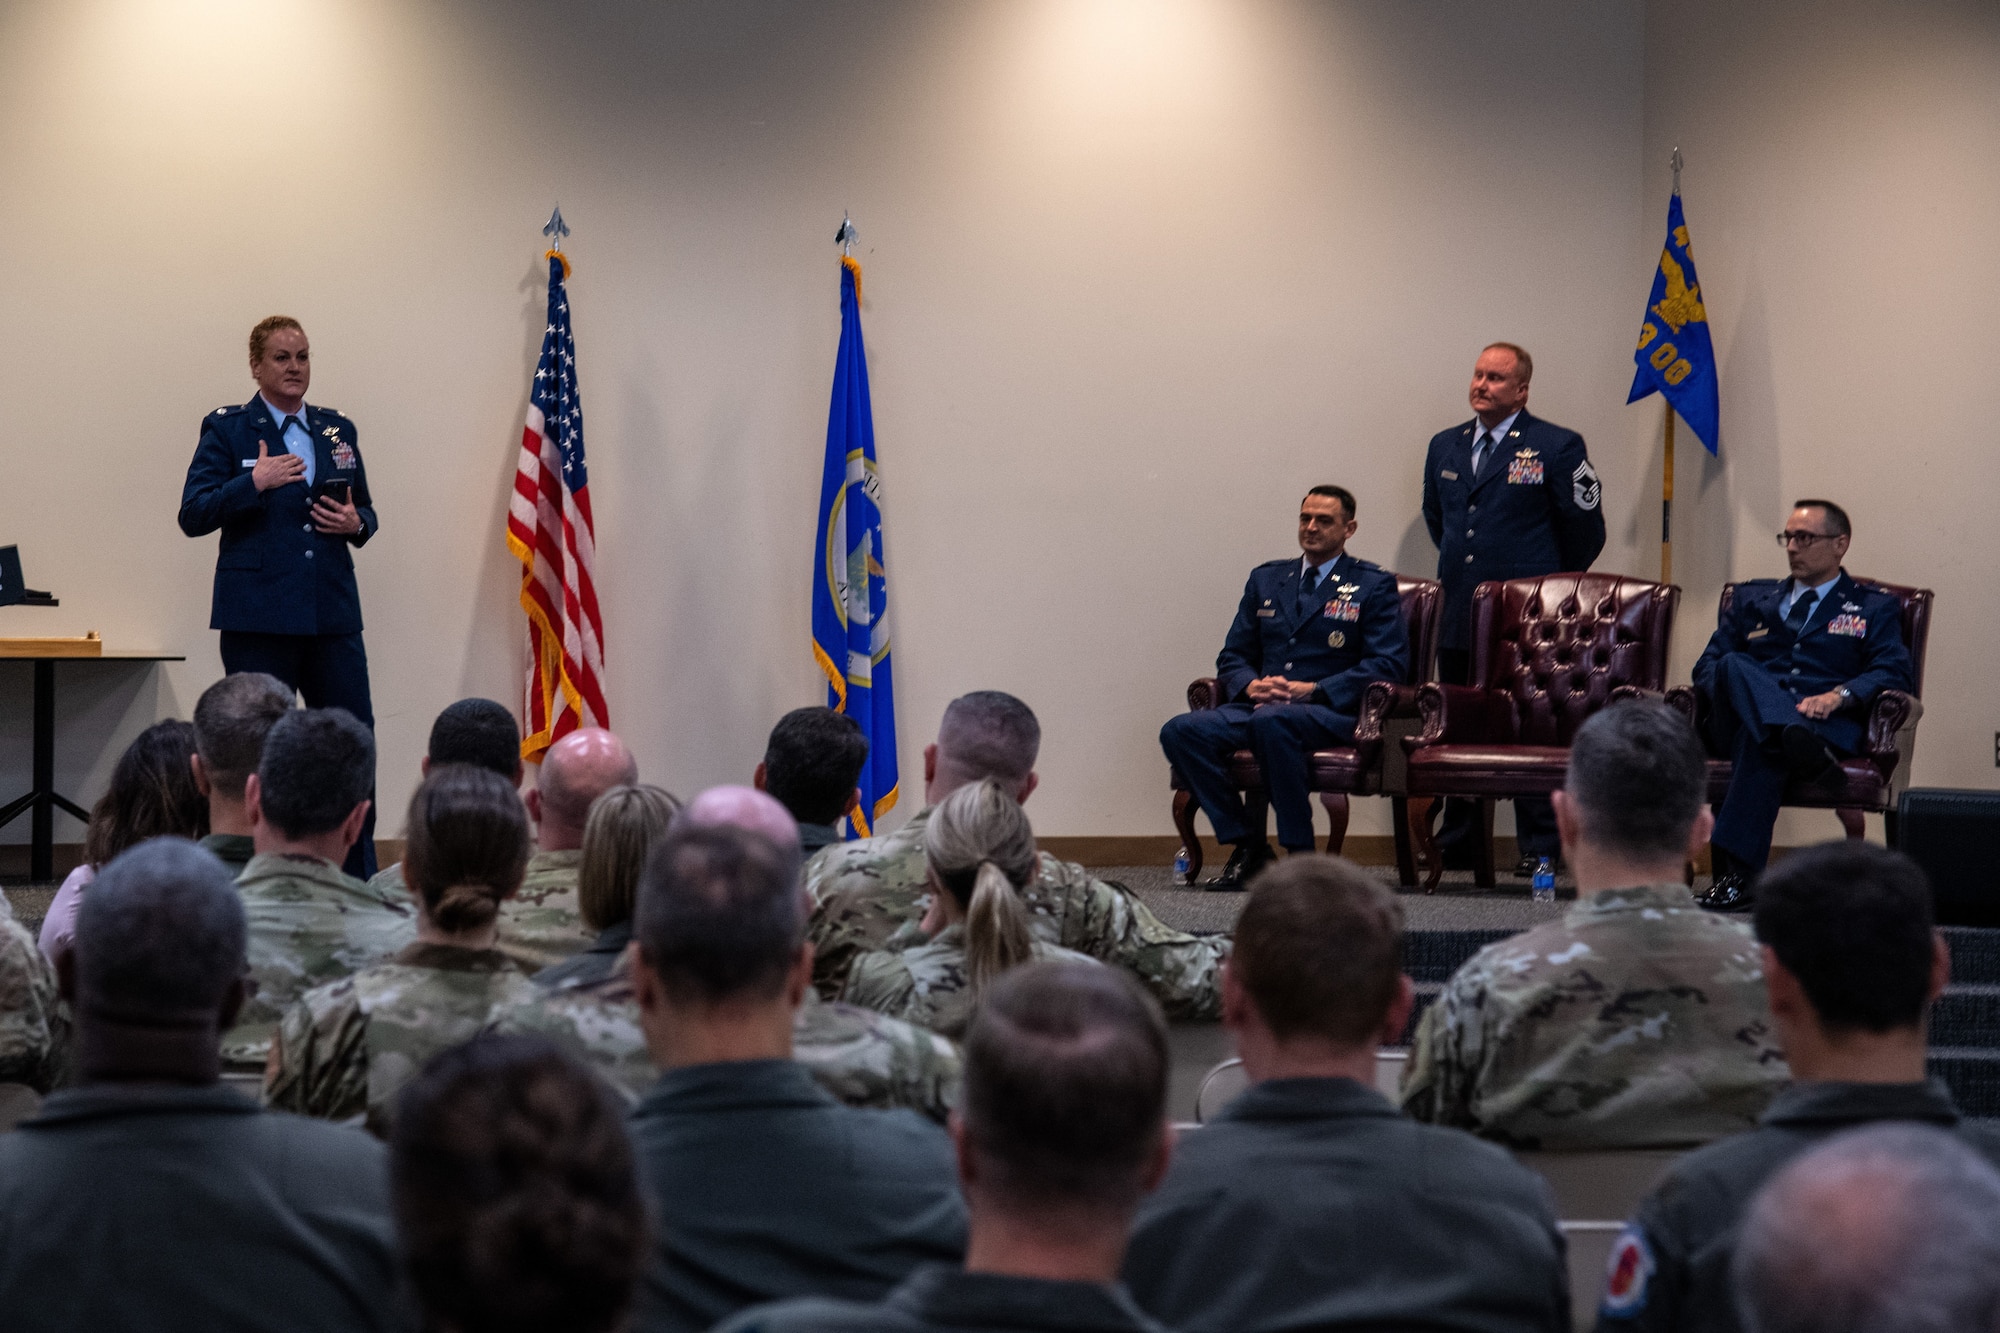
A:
(1416, 554)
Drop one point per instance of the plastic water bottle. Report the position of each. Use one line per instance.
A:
(1545, 881)
(1181, 866)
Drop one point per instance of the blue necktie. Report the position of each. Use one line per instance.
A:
(1801, 612)
(1307, 585)
(1479, 451)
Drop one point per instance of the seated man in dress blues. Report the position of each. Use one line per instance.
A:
(1309, 637)
(1789, 675)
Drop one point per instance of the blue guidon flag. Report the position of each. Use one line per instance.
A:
(850, 594)
(1675, 356)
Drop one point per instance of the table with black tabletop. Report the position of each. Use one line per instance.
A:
(40, 802)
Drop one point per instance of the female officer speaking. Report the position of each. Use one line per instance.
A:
(284, 482)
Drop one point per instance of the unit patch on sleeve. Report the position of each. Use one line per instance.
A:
(1626, 1271)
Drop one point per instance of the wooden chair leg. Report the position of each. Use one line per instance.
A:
(1892, 828)
(1420, 809)
(1184, 808)
(1406, 863)
(1483, 868)
(1336, 818)
(1853, 822)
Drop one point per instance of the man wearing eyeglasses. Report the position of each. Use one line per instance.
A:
(1789, 675)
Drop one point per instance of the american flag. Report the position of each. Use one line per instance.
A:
(550, 533)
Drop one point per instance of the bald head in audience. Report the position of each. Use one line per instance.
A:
(984, 734)
(1890, 1229)
(575, 771)
(744, 808)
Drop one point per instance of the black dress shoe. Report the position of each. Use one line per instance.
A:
(1806, 756)
(1730, 892)
(1244, 862)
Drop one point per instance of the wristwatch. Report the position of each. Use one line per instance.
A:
(1846, 695)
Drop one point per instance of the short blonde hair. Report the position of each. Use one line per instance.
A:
(261, 334)
(621, 829)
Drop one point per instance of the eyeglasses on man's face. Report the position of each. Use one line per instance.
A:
(1803, 540)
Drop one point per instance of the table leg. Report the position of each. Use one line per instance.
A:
(41, 820)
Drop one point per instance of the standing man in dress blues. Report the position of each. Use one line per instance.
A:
(1309, 636)
(1506, 496)
(1789, 674)
(284, 482)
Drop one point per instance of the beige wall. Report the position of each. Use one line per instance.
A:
(1138, 271)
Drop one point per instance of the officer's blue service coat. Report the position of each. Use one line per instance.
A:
(1351, 632)
(1854, 638)
(1537, 508)
(276, 573)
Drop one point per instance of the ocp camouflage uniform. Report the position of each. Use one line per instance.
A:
(870, 894)
(1636, 1020)
(926, 984)
(345, 1050)
(308, 924)
(540, 925)
(863, 1058)
(34, 1021)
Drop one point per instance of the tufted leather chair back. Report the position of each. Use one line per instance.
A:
(1558, 644)
(1423, 612)
(1916, 620)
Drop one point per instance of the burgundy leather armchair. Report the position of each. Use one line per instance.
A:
(1871, 780)
(1344, 771)
(1547, 652)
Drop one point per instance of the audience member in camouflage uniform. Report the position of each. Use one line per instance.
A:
(1638, 1019)
(345, 1049)
(980, 850)
(34, 1023)
(861, 1057)
(624, 824)
(231, 719)
(869, 894)
(309, 923)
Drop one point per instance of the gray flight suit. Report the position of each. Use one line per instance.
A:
(1669, 1269)
(1310, 1203)
(940, 1299)
(764, 1187)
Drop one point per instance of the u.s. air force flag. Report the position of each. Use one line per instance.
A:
(1675, 355)
(850, 602)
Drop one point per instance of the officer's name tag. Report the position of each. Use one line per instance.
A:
(1448, 474)
(1524, 472)
(1759, 632)
(1267, 611)
(1850, 627)
(249, 462)
(1343, 610)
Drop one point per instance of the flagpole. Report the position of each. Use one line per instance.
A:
(1667, 505)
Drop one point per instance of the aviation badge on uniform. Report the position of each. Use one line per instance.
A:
(1524, 469)
(1336, 640)
(1626, 1271)
(1585, 487)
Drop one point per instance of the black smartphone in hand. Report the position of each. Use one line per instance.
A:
(336, 491)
